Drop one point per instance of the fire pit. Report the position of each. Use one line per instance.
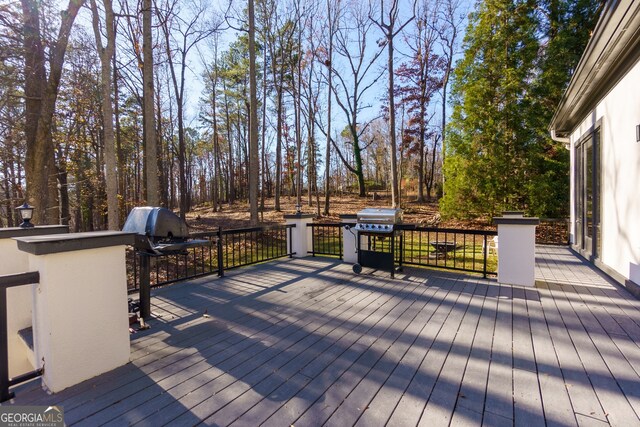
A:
(378, 226)
(158, 232)
(442, 248)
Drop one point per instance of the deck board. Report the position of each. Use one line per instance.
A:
(306, 342)
(474, 382)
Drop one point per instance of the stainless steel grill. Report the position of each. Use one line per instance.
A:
(159, 231)
(378, 220)
(376, 238)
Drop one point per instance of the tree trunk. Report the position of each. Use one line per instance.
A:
(35, 81)
(392, 127)
(297, 112)
(150, 143)
(215, 198)
(41, 184)
(263, 151)
(327, 155)
(162, 152)
(106, 56)
(7, 194)
(422, 132)
(61, 169)
(278, 148)
(357, 158)
(122, 189)
(432, 169)
(231, 193)
(254, 165)
(445, 82)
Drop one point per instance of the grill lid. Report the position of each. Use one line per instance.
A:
(380, 216)
(156, 223)
(378, 220)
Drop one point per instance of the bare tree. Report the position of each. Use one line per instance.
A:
(333, 10)
(451, 20)
(106, 56)
(182, 31)
(150, 143)
(41, 93)
(254, 165)
(421, 78)
(278, 33)
(312, 84)
(212, 74)
(352, 85)
(387, 23)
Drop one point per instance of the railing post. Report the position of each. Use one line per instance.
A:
(516, 248)
(299, 238)
(219, 250)
(392, 245)
(145, 286)
(291, 241)
(348, 243)
(484, 256)
(401, 260)
(4, 349)
(313, 239)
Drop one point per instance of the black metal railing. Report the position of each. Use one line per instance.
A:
(10, 281)
(553, 231)
(454, 249)
(227, 249)
(326, 239)
(167, 268)
(248, 246)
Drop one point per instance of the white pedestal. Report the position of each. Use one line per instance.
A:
(81, 327)
(301, 234)
(517, 249)
(634, 273)
(19, 315)
(349, 236)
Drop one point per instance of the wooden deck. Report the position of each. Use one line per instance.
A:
(305, 342)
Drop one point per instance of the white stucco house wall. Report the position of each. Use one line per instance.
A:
(598, 119)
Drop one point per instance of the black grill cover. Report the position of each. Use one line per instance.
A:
(158, 224)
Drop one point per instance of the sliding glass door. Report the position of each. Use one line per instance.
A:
(587, 174)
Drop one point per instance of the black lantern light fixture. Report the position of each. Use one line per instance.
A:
(26, 213)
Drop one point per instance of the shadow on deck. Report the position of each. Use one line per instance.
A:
(305, 342)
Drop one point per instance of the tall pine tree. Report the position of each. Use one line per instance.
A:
(565, 33)
(519, 56)
(486, 159)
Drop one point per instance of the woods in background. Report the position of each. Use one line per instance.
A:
(518, 59)
(98, 113)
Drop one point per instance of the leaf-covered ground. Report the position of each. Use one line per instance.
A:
(203, 218)
(237, 216)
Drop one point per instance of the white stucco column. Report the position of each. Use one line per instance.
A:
(516, 248)
(301, 235)
(13, 261)
(349, 244)
(80, 320)
(634, 273)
